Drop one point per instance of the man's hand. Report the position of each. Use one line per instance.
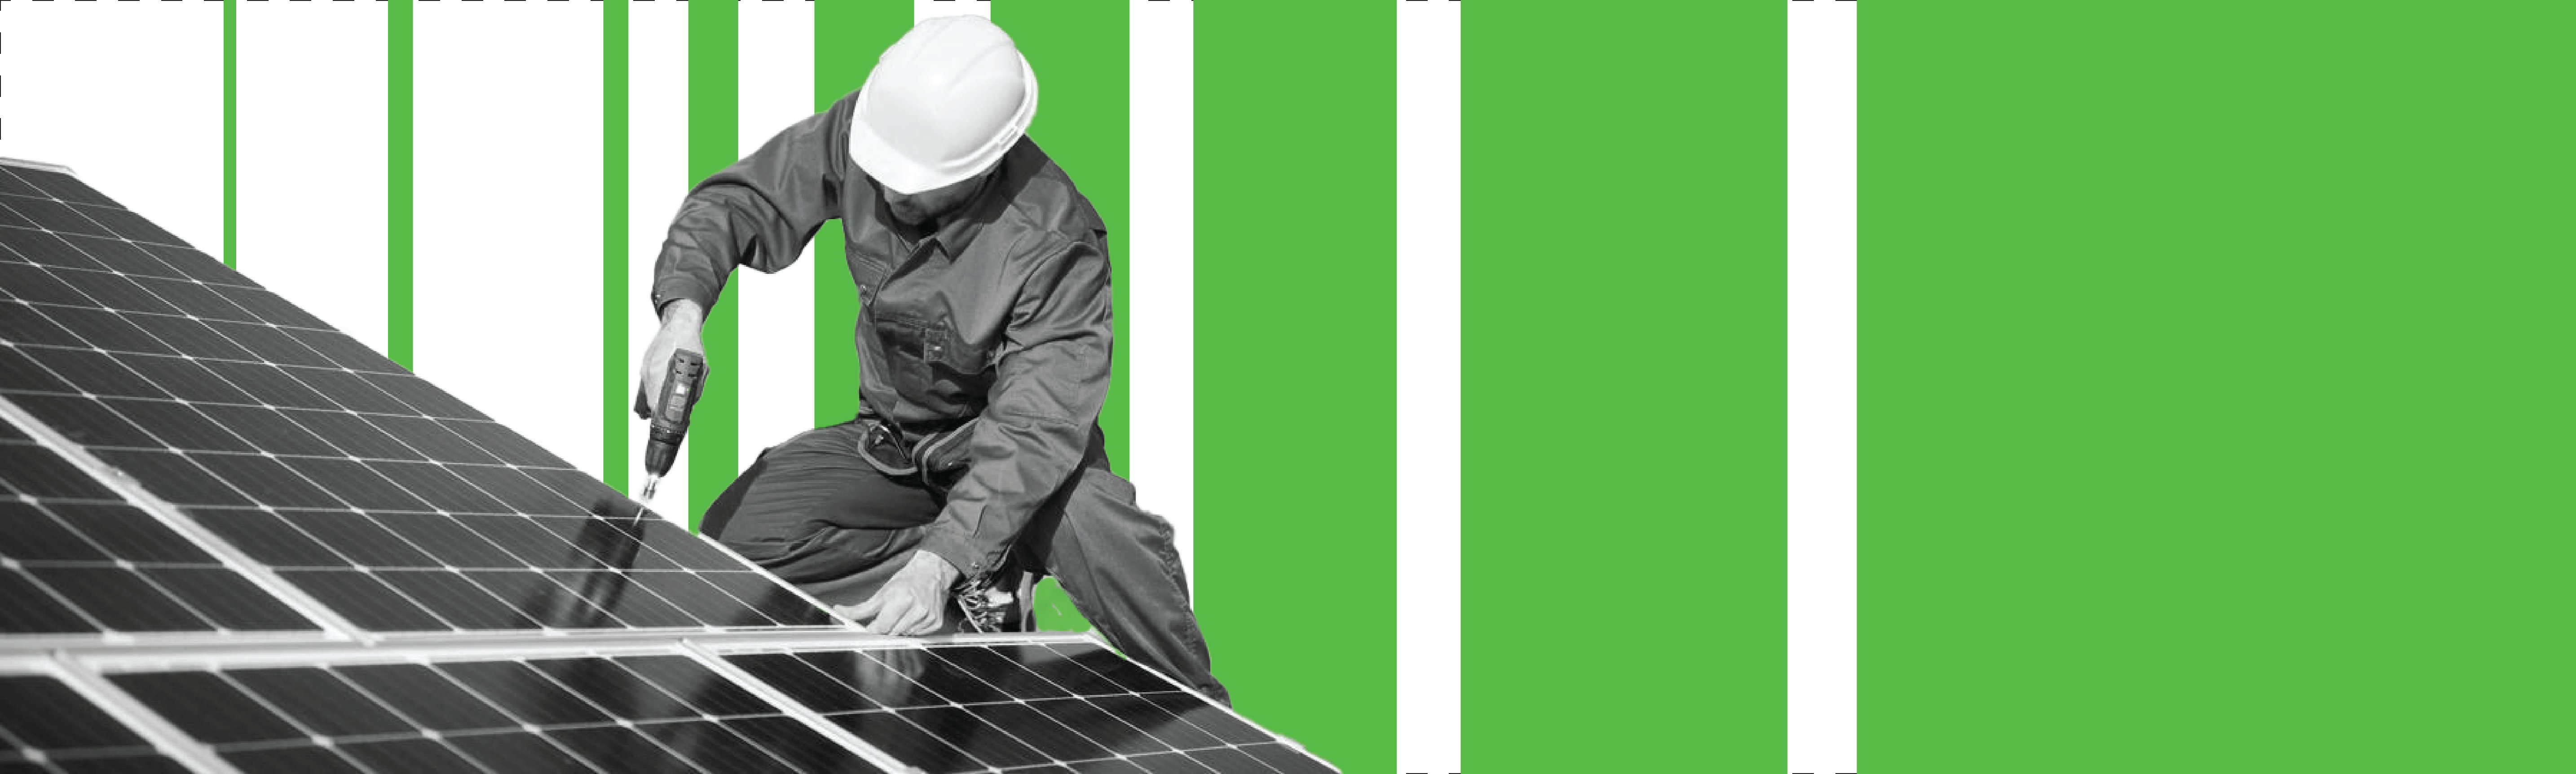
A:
(680, 322)
(912, 603)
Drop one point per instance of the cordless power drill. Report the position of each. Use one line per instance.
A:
(680, 388)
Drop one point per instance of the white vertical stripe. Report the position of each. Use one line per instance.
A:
(777, 342)
(310, 105)
(923, 9)
(130, 96)
(1823, 365)
(506, 207)
(1426, 385)
(657, 169)
(1157, 249)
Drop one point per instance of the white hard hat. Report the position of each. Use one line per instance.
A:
(943, 104)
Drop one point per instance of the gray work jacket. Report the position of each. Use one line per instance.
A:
(1003, 314)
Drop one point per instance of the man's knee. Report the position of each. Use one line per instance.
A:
(1101, 517)
(720, 514)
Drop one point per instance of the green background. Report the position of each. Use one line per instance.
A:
(1624, 408)
(2215, 389)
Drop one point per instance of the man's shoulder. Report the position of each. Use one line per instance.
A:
(1046, 209)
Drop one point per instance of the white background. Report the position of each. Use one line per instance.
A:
(312, 88)
(130, 96)
(1426, 386)
(1157, 249)
(1823, 386)
(775, 78)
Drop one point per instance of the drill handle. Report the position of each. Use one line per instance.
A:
(680, 386)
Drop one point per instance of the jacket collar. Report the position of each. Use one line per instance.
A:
(958, 231)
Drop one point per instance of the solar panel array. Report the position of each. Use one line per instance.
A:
(282, 552)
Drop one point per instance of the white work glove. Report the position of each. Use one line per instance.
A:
(913, 603)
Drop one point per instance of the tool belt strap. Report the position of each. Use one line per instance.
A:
(929, 455)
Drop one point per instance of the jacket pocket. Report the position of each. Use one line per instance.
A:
(910, 344)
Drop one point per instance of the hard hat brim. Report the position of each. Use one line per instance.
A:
(906, 175)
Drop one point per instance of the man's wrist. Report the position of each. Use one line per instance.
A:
(953, 553)
(948, 573)
(683, 311)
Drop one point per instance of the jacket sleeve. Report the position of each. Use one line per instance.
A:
(1037, 425)
(760, 212)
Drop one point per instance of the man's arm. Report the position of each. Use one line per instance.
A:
(1036, 426)
(1033, 434)
(760, 212)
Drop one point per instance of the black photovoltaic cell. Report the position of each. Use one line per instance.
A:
(652, 713)
(964, 707)
(373, 491)
(46, 726)
(82, 561)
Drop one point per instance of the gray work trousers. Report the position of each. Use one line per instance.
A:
(817, 514)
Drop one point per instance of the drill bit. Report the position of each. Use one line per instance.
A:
(651, 482)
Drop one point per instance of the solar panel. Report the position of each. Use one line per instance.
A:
(975, 707)
(371, 491)
(46, 726)
(234, 538)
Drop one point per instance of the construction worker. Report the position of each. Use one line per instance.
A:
(984, 344)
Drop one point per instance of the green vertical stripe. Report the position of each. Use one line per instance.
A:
(1296, 368)
(1079, 50)
(232, 134)
(398, 215)
(848, 35)
(2215, 387)
(714, 126)
(1623, 235)
(615, 303)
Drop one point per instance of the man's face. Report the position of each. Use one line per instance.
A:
(916, 208)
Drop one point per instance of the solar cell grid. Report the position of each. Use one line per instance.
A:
(55, 216)
(973, 707)
(45, 726)
(625, 713)
(77, 560)
(62, 203)
(393, 503)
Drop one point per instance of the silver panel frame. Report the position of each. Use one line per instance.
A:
(48, 167)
